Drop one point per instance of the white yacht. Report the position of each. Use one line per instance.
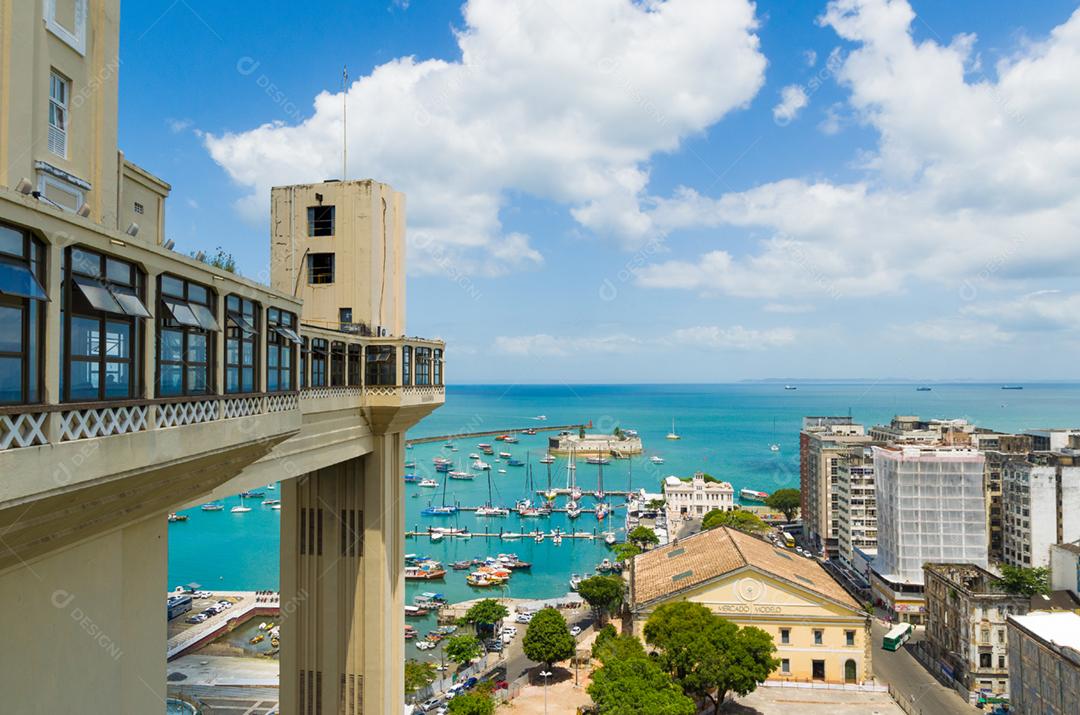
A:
(673, 434)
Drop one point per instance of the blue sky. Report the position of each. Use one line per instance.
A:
(689, 190)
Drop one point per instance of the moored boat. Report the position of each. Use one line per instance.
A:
(753, 495)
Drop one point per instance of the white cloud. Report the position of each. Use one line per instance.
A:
(543, 345)
(735, 337)
(177, 126)
(973, 177)
(1044, 310)
(792, 99)
(563, 100)
(788, 308)
(810, 56)
(953, 331)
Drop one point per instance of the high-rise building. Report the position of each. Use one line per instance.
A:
(136, 381)
(856, 505)
(999, 450)
(822, 443)
(1041, 505)
(931, 508)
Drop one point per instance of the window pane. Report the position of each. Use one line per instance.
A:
(182, 313)
(272, 357)
(286, 356)
(197, 379)
(16, 279)
(171, 345)
(117, 379)
(170, 380)
(249, 353)
(232, 352)
(85, 338)
(10, 379)
(85, 262)
(97, 295)
(10, 329)
(232, 379)
(196, 348)
(272, 380)
(249, 379)
(11, 241)
(118, 271)
(205, 317)
(198, 294)
(85, 380)
(129, 301)
(117, 340)
(172, 286)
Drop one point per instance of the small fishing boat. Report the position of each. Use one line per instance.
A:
(516, 463)
(276, 507)
(510, 439)
(258, 638)
(461, 475)
(1012, 387)
(212, 507)
(547, 459)
(474, 456)
(428, 483)
(502, 471)
(774, 447)
(272, 502)
(504, 455)
(410, 465)
(410, 633)
(597, 460)
(609, 538)
(177, 517)
(753, 495)
(427, 572)
(252, 495)
(415, 612)
(790, 387)
(411, 478)
(922, 389)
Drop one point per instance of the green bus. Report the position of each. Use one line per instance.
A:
(897, 636)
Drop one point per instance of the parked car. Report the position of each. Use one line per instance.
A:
(510, 630)
(494, 646)
(471, 682)
(430, 704)
(575, 631)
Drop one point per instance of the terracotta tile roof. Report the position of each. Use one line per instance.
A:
(708, 555)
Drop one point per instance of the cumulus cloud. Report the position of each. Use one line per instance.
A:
(562, 100)
(177, 126)
(792, 99)
(1044, 310)
(975, 175)
(953, 331)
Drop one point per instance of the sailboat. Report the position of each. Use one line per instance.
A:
(488, 509)
(600, 481)
(550, 493)
(775, 447)
(673, 434)
(443, 510)
(240, 509)
(571, 478)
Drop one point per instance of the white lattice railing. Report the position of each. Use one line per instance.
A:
(382, 390)
(23, 430)
(101, 422)
(178, 414)
(312, 393)
(281, 403)
(241, 407)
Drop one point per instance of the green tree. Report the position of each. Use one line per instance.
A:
(625, 552)
(613, 646)
(219, 259)
(709, 656)
(483, 615)
(547, 639)
(418, 675)
(581, 432)
(739, 519)
(603, 636)
(462, 649)
(643, 536)
(472, 704)
(1024, 582)
(603, 593)
(655, 504)
(630, 686)
(785, 501)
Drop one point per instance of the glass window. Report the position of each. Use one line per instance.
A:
(437, 367)
(186, 331)
(354, 365)
(785, 635)
(818, 636)
(241, 340)
(319, 350)
(423, 366)
(102, 322)
(380, 365)
(281, 342)
(406, 365)
(59, 90)
(305, 352)
(22, 316)
(337, 364)
(320, 221)
(320, 268)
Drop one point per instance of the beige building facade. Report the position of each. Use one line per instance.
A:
(138, 381)
(821, 633)
(696, 497)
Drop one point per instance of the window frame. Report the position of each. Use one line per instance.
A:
(437, 367)
(320, 359)
(422, 366)
(237, 331)
(31, 337)
(76, 38)
(187, 332)
(136, 354)
(376, 360)
(314, 229)
(305, 359)
(59, 107)
(312, 275)
(279, 323)
(406, 364)
(337, 364)
(353, 360)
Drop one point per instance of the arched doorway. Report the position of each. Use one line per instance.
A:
(850, 671)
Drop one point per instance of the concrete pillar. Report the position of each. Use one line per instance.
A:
(342, 586)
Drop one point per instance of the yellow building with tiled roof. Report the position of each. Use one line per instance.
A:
(821, 632)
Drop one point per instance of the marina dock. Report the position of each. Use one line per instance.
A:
(496, 433)
(508, 535)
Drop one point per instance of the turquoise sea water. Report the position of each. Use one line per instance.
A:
(726, 431)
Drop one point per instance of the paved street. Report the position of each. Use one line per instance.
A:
(910, 680)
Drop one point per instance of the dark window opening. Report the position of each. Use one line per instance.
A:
(186, 329)
(437, 367)
(345, 316)
(406, 365)
(320, 268)
(354, 366)
(281, 342)
(380, 365)
(305, 352)
(320, 221)
(319, 350)
(337, 364)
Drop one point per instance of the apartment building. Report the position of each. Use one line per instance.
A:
(931, 508)
(1044, 663)
(856, 505)
(822, 443)
(1041, 506)
(999, 449)
(1065, 567)
(966, 625)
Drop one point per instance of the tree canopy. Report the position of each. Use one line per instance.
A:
(643, 536)
(547, 638)
(629, 683)
(1024, 582)
(605, 635)
(473, 703)
(603, 593)
(707, 655)
(785, 501)
(462, 649)
(485, 613)
(418, 675)
(739, 519)
(625, 552)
